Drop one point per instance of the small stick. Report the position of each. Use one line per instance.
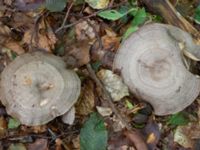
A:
(65, 19)
(91, 15)
(108, 97)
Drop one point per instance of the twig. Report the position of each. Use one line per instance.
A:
(108, 97)
(34, 35)
(65, 19)
(91, 15)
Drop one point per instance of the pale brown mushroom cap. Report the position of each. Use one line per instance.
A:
(36, 88)
(151, 65)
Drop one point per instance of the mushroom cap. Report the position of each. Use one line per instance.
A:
(151, 65)
(36, 87)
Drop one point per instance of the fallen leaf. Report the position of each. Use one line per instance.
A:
(85, 31)
(85, 104)
(186, 135)
(58, 143)
(93, 134)
(104, 111)
(76, 142)
(44, 39)
(110, 42)
(55, 6)
(14, 46)
(98, 4)
(3, 126)
(117, 125)
(178, 119)
(77, 54)
(39, 144)
(113, 83)
(13, 123)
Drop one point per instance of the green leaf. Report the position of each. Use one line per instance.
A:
(139, 18)
(93, 135)
(55, 5)
(110, 14)
(178, 119)
(114, 14)
(129, 104)
(13, 123)
(129, 31)
(197, 15)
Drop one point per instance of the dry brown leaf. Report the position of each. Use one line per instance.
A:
(86, 103)
(76, 142)
(114, 84)
(39, 144)
(84, 31)
(58, 143)
(77, 54)
(14, 46)
(23, 20)
(111, 42)
(3, 126)
(44, 39)
(186, 135)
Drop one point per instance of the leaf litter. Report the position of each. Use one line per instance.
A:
(26, 25)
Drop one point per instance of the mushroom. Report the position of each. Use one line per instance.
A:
(36, 87)
(150, 62)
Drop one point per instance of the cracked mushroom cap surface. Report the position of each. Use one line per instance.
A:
(36, 87)
(150, 62)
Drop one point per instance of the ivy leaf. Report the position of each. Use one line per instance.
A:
(13, 123)
(178, 119)
(197, 15)
(93, 134)
(55, 5)
(139, 18)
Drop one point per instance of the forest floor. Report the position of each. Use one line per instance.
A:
(80, 32)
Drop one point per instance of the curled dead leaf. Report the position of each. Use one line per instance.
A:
(113, 83)
(44, 38)
(110, 42)
(85, 30)
(77, 54)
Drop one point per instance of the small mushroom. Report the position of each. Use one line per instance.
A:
(36, 87)
(151, 64)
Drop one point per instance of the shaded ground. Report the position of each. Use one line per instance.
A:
(80, 36)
